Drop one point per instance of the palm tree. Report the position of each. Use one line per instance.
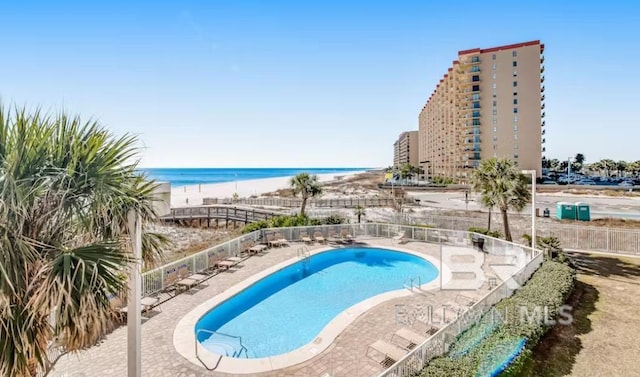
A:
(608, 165)
(580, 159)
(359, 211)
(307, 186)
(621, 167)
(66, 187)
(500, 183)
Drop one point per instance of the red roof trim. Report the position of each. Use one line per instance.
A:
(499, 48)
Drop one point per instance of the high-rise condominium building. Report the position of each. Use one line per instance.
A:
(405, 149)
(490, 103)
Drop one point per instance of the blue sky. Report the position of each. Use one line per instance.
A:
(309, 84)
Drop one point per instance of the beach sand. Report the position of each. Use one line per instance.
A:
(192, 195)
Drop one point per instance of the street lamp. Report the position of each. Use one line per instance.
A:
(533, 206)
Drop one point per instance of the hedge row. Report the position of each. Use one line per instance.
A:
(294, 220)
(549, 287)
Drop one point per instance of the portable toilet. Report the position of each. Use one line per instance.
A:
(566, 211)
(583, 212)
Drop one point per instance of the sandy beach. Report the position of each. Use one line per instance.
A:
(192, 195)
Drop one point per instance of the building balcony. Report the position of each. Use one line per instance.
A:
(543, 140)
(542, 78)
(544, 132)
(541, 59)
(542, 89)
(542, 107)
(543, 124)
(542, 115)
(542, 98)
(544, 149)
(541, 69)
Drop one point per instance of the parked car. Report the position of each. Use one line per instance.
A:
(626, 184)
(585, 182)
(549, 182)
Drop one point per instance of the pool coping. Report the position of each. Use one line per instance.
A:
(184, 338)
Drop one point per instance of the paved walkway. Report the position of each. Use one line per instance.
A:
(344, 357)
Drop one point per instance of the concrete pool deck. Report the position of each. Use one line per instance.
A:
(344, 356)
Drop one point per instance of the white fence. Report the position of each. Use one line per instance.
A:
(589, 238)
(439, 343)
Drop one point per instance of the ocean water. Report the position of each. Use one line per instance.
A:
(193, 176)
(288, 309)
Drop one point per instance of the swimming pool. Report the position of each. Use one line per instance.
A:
(289, 308)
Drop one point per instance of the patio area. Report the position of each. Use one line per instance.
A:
(346, 356)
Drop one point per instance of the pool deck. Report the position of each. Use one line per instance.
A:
(345, 356)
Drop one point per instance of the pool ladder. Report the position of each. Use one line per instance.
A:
(237, 353)
(411, 284)
(304, 254)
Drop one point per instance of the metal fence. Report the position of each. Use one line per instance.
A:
(578, 237)
(439, 343)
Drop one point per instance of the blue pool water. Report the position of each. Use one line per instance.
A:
(288, 309)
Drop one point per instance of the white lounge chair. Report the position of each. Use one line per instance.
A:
(409, 337)
(400, 238)
(385, 353)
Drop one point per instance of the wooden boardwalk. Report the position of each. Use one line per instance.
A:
(227, 213)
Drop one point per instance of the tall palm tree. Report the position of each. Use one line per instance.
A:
(621, 167)
(500, 183)
(359, 211)
(307, 186)
(580, 159)
(66, 187)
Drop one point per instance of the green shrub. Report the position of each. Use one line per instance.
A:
(549, 287)
(486, 232)
(291, 221)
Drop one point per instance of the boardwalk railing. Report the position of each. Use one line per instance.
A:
(221, 212)
(293, 203)
(438, 344)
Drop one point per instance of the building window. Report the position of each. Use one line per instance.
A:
(515, 156)
(515, 145)
(494, 76)
(515, 118)
(515, 101)
(515, 110)
(495, 129)
(515, 63)
(515, 128)
(475, 59)
(476, 97)
(514, 53)
(515, 83)
(515, 136)
(476, 105)
(495, 112)
(495, 138)
(493, 57)
(493, 66)
(515, 93)
(515, 73)
(476, 88)
(495, 103)
(476, 78)
(494, 85)
(475, 68)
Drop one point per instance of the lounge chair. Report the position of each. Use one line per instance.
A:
(281, 240)
(256, 249)
(184, 279)
(271, 241)
(304, 237)
(333, 237)
(147, 303)
(385, 353)
(400, 238)
(409, 337)
(346, 235)
(318, 237)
